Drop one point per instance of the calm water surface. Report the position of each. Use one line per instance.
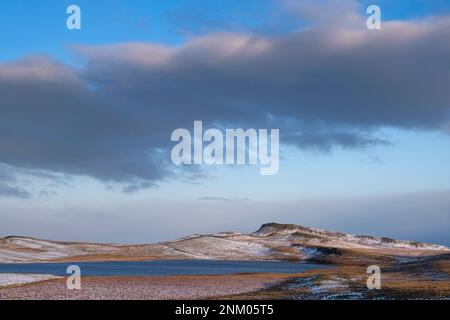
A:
(161, 267)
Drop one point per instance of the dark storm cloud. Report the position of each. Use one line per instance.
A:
(349, 79)
(111, 119)
(53, 121)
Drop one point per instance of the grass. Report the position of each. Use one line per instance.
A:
(348, 281)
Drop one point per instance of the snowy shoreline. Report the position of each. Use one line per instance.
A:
(12, 279)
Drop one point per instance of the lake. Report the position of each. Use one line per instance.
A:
(161, 267)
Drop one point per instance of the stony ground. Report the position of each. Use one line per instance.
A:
(147, 288)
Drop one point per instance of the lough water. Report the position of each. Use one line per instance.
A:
(161, 267)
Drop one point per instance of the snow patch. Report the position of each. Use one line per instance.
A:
(10, 279)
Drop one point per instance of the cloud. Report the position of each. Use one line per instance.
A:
(53, 121)
(11, 191)
(111, 118)
(350, 79)
(8, 178)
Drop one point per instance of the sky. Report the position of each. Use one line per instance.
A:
(86, 117)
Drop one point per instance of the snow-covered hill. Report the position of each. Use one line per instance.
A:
(22, 249)
(271, 242)
(311, 236)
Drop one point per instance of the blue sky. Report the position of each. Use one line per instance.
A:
(37, 26)
(414, 161)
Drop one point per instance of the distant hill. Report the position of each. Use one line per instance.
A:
(272, 241)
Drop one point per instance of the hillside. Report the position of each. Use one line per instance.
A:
(271, 241)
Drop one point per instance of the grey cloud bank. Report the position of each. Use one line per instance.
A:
(111, 118)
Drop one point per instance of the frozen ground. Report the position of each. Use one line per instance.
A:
(142, 288)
